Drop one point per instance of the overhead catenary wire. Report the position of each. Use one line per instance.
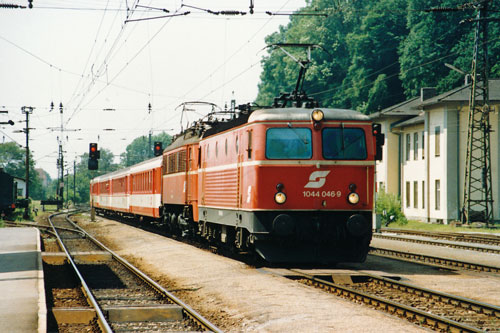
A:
(221, 66)
(141, 49)
(91, 51)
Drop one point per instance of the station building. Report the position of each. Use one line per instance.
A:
(425, 152)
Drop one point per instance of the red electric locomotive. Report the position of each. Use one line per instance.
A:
(291, 184)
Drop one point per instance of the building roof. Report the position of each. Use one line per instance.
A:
(404, 109)
(412, 121)
(462, 94)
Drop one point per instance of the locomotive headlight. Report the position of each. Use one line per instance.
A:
(353, 198)
(317, 115)
(280, 198)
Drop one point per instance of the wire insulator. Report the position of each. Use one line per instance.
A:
(10, 5)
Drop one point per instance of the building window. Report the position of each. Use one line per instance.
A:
(415, 146)
(423, 145)
(415, 194)
(423, 193)
(408, 144)
(381, 186)
(437, 193)
(437, 141)
(407, 194)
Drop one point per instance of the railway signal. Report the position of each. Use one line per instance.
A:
(94, 155)
(379, 140)
(158, 148)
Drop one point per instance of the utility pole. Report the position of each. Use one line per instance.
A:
(150, 144)
(67, 188)
(60, 164)
(478, 195)
(27, 110)
(150, 147)
(60, 158)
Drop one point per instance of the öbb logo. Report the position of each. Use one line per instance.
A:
(317, 179)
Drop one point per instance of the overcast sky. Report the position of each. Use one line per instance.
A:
(82, 54)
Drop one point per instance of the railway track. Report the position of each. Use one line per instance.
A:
(433, 261)
(111, 295)
(425, 307)
(452, 236)
(462, 246)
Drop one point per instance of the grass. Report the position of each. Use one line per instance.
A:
(416, 225)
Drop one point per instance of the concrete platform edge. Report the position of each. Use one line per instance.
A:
(42, 305)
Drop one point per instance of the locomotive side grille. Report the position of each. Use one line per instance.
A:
(176, 162)
(221, 188)
(181, 161)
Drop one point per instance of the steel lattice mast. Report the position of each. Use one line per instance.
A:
(478, 196)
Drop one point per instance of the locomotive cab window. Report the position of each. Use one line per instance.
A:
(344, 143)
(288, 143)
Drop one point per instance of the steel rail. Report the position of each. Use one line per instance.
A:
(432, 261)
(101, 319)
(191, 313)
(464, 237)
(437, 243)
(45, 226)
(409, 312)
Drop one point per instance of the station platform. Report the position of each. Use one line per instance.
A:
(22, 292)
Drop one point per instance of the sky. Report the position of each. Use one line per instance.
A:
(106, 71)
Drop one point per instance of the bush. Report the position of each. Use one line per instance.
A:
(388, 207)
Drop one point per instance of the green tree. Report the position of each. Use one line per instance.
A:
(140, 150)
(83, 177)
(372, 80)
(379, 53)
(327, 69)
(13, 161)
(433, 36)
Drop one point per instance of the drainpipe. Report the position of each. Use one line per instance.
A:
(458, 161)
(400, 167)
(428, 161)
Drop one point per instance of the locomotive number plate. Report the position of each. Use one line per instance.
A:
(322, 194)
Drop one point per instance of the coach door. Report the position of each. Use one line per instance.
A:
(192, 176)
(239, 153)
(192, 179)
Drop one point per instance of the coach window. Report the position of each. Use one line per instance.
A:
(237, 144)
(216, 149)
(225, 148)
(288, 143)
(344, 143)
